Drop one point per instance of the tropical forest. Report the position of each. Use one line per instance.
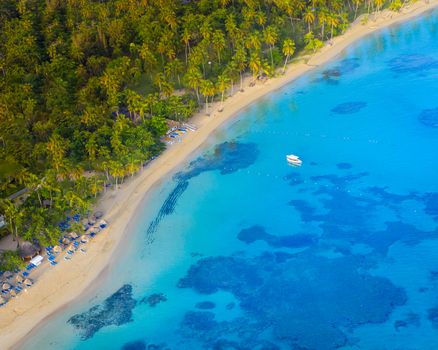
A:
(88, 88)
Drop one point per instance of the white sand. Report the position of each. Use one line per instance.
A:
(57, 286)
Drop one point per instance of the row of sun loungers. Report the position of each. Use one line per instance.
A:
(11, 284)
(175, 133)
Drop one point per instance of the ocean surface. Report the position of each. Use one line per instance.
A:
(238, 250)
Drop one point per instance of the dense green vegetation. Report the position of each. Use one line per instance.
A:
(86, 86)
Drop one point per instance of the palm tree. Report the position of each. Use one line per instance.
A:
(96, 185)
(33, 183)
(186, 37)
(311, 42)
(322, 17)
(288, 50)
(240, 60)
(14, 218)
(255, 64)
(253, 41)
(150, 62)
(57, 147)
(333, 20)
(379, 4)
(160, 80)
(194, 79)
(207, 89)
(309, 18)
(356, 7)
(232, 72)
(116, 170)
(218, 42)
(223, 83)
(271, 37)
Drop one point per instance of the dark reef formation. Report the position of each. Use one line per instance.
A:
(429, 117)
(280, 296)
(258, 233)
(349, 107)
(332, 75)
(154, 299)
(432, 315)
(141, 345)
(412, 63)
(205, 305)
(115, 310)
(344, 166)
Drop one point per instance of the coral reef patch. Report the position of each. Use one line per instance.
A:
(349, 107)
(429, 117)
(154, 299)
(115, 310)
(412, 63)
(258, 233)
(281, 297)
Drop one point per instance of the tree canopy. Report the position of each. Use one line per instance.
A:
(86, 86)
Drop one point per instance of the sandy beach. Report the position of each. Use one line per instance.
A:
(57, 286)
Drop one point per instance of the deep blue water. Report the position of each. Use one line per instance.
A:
(238, 250)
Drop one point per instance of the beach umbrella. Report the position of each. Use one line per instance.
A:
(27, 282)
(57, 249)
(73, 235)
(19, 278)
(8, 274)
(2, 301)
(84, 238)
(12, 293)
(71, 246)
(98, 214)
(65, 241)
(97, 229)
(6, 286)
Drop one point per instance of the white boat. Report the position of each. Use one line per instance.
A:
(291, 157)
(294, 160)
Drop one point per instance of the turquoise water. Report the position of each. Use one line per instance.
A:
(238, 250)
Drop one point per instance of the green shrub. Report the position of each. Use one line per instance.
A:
(10, 260)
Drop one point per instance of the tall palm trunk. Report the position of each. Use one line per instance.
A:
(285, 64)
(272, 57)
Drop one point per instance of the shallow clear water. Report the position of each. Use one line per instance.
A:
(250, 253)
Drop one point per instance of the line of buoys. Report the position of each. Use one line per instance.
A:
(324, 136)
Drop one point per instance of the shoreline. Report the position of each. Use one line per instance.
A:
(59, 286)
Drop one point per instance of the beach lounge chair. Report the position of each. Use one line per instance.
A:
(28, 282)
(53, 263)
